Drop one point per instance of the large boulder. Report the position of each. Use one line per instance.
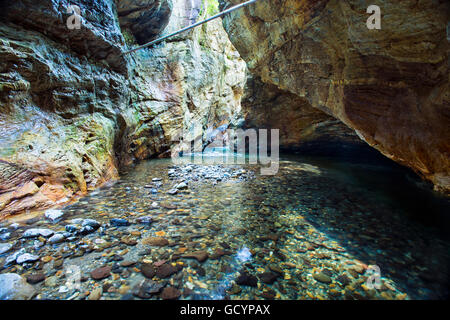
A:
(15, 287)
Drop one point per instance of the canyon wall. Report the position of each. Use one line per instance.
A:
(192, 82)
(74, 108)
(391, 86)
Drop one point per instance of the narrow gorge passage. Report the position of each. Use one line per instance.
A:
(123, 176)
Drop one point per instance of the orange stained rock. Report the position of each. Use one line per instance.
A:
(182, 250)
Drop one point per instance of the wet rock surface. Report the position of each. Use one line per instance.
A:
(310, 232)
(101, 273)
(170, 293)
(5, 247)
(15, 287)
(35, 278)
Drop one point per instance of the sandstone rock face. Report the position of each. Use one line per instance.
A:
(192, 82)
(59, 99)
(391, 86)
(74, 108)
(99, 37)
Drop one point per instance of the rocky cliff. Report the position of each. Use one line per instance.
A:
(74, 107)
(391, 86)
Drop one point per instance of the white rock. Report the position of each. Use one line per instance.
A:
(26, 257)
(77, 221)
(91, 223)
(189, 285)
(172, 191)
(13, 257)
(63, 289)
(15, 287)
(33, 233)
(5, 247)
(14, 225)
(76, 294)
(38, 244)
(182, 185)
(56, 238)
(5, 236)
(53, 214)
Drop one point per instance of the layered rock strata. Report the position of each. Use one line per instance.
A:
(391, 86)
(74, 108)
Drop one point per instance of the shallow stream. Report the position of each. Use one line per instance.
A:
(319, 229)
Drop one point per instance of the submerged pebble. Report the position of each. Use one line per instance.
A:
(119, 222)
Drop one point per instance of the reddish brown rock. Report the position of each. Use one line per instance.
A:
(35, 278)
(127, 263)
(166, 270)
(219, 252)
(271, 236)
(201, 256)
(101, 273)
(155, 241)
(159, 263)
(22, 189)
(268, 277)
(170, 293)
(148, 270)
(128, 241)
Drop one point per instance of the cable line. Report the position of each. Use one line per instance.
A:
(244, 4)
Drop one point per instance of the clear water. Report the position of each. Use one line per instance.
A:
(317, 215)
